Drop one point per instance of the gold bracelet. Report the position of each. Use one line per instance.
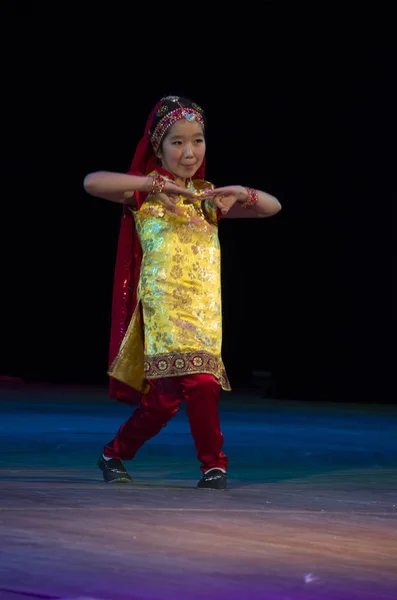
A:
(252, 198)
(158, 184)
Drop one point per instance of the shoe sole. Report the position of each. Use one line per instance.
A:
(212, 489)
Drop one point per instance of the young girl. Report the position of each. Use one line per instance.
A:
(167, 317)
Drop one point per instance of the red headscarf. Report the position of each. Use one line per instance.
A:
(128, 261)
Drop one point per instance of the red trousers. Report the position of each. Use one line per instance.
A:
(161, 403)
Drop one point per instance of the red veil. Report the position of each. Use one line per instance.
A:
(128, 262)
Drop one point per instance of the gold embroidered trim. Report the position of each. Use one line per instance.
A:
(173, 364)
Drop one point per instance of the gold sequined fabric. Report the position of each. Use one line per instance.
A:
(179, 295)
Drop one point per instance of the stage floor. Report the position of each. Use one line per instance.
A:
(310, 513)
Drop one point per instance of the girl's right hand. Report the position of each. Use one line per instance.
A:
(171, 194)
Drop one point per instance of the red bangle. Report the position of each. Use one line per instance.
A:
(252, 198)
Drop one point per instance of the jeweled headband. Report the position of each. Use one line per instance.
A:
(190, 113)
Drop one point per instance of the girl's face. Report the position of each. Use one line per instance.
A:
(183, 149)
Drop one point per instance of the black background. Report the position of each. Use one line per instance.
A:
(294, 101)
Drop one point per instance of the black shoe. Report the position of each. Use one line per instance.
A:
(215, 479)
(113, 470)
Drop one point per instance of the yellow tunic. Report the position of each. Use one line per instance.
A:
(179, 293)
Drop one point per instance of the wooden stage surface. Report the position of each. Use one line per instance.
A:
(310, 513)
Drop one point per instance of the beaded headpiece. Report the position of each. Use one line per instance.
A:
(167, 114)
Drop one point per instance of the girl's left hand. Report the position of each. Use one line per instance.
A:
(225, 197)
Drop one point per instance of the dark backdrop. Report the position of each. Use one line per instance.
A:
(292, 109)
